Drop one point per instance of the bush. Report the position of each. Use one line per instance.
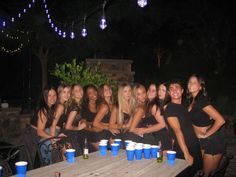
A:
(73, 73)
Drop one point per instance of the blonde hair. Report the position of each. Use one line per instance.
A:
(72, 98)
(135, 88)
(131, 106)
(59, 90)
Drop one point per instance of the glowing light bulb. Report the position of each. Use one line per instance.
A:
(142, 3)
(52, 25)
(48, 15)
(29, 5)
(46, 11)
(19, 15)
(72, 35)
(49, 20)
(55, 29)
(84, 32)
(64, 34)
(3, 23)
(33, 1)
(45, 6)
(24, 10)
(103, 23)
(12, 19)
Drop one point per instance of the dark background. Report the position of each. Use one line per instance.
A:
(190, 36)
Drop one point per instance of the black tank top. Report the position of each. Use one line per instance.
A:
(62, 120)
(87, 114)
(34, 121)
(126, 117)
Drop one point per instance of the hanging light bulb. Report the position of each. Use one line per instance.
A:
(142, 3)
(45, 6)
(19, 15)
(59, 32)
(24, 10)
(84, 31)
(103, 21)
(52, 25)
(48, 15)
(55, 29)
(33, 1)
(12, 19)
(64, 34)
(49, 20)
(46, 11)
(3, 23)
(72, 35)
(29, 5)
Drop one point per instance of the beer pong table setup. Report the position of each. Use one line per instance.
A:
(136, 160)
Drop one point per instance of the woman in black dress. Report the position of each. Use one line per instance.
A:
(121, 114)
(179, 124)
(101, 121)
(207, 123)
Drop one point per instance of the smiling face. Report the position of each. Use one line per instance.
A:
(126, 93)
(152, 92)
(92, 94)
(77, 92)
(65, 94)
(52, 97)
(162, 91)
(176, 92)
(194, 85)
(141, 95)
(107, 92)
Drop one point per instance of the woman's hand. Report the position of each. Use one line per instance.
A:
(81, 125)
(114, 131)
(189, 159)
(139, 131)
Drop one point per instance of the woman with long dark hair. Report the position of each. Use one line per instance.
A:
(207, 123)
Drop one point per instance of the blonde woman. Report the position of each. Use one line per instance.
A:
(121, 115)
(64, 92)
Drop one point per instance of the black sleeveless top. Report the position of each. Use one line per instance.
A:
(87, 114)
(62, 120)
(197, 115)
(34, 121)
(126, 117)
(74, 107)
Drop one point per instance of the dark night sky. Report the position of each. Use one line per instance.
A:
(132, 33)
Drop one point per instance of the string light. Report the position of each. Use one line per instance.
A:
(142, 3)
(14, 50)
(84, 32)
(72, 35)
(103, 21)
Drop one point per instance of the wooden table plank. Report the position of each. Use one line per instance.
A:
(117, 166)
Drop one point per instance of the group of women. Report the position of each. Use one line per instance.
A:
(192, 126)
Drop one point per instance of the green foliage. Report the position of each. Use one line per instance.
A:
(73, 73)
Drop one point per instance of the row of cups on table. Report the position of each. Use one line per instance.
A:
(21, 168)
(135, 150)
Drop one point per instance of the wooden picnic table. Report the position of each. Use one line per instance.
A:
(115, 166)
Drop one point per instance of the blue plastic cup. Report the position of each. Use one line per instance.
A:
(147, 151)
(70, 155)
(127, 142)
(114, 149)
(130, 153)
(1, 171)
(171, 157)
(118, 141)
(154, 149)
(138, 152)
(103, 149)
(21, 168)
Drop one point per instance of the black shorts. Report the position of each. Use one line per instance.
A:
(214, 144)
